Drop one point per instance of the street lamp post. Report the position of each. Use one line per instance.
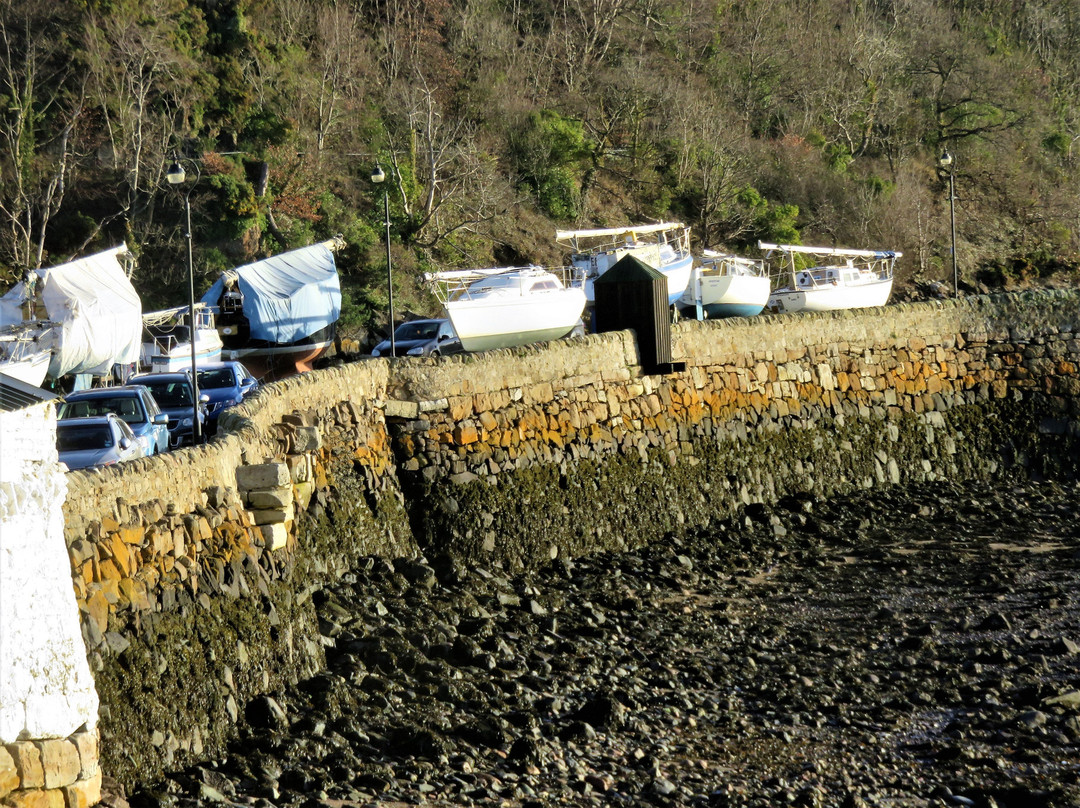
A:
(176, 177)
(378, 176)
(946, 162)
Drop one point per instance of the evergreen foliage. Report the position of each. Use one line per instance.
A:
(817, 121)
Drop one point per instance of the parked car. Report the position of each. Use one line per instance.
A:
(95, 441)
(173, 393)
(226, 384)
(133, 403)
(421, 338)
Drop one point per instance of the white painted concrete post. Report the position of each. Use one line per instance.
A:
(46, 688)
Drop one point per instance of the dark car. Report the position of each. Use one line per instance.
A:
(95, 441)
(226, 384)
(421, 338)
(173, 393)
(134, 404)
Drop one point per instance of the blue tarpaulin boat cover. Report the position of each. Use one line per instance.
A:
(287, 297)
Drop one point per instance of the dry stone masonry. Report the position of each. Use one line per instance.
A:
(194, 571)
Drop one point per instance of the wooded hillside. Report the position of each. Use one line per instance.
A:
(497, 121)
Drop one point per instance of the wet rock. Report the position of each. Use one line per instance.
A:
(265, 713)
(709, 670)
(602, 711)
(1065, 646)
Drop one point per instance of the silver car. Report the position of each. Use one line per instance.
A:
(101, 440)
(422, 338)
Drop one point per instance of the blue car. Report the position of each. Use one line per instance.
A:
(132, 403)
(95, 441)
(173, 393)
(226, 384)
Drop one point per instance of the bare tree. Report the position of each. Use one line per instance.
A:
(42, 104)
(452, 174)
(406, 33)
(140, 70)
(582, 33)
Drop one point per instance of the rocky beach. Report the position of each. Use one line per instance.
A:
(900, 647)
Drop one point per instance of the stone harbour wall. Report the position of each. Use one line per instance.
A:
(194, 572)
(531, 454)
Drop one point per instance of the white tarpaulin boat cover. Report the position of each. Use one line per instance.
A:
(97, 308)
(287, 297)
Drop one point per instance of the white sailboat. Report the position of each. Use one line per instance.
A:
(95, 311)
(167, 346)
(723, 285)
(852, 279)
(664, 246)
(26, 351)
(508, 306)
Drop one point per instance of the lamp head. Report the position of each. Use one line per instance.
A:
(378, 175)
(176, 174)
(945, 160)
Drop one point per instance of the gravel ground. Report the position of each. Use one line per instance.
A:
(897, 648)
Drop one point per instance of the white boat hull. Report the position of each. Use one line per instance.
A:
(676, 273)
(207, 349)
(664, 246)
(831, 298)
(678, 277)
(28, 369)
(727, 295)
(503, 322)
(167, 345)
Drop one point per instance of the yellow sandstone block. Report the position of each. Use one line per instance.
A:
(134, 591)
(121, 555)
(97, 609)
(9, 773)
(465, 435)
(460, 408)
(60, 761)
(107, 571)
(83, 793)
(36, 798)
(132, 534)
(87, 745)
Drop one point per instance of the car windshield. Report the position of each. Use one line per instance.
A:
(417, 331)
(81, 437)
(170, 394)
(219, 377)
(127, 407)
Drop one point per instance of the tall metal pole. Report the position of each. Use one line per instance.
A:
(176, 177)
(389, 273)
(952, 220)
(196, 427)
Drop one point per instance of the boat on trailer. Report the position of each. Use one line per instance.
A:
(279, 315)
(723, 285)
(507, 306)
(836, 278)
(665, 246)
